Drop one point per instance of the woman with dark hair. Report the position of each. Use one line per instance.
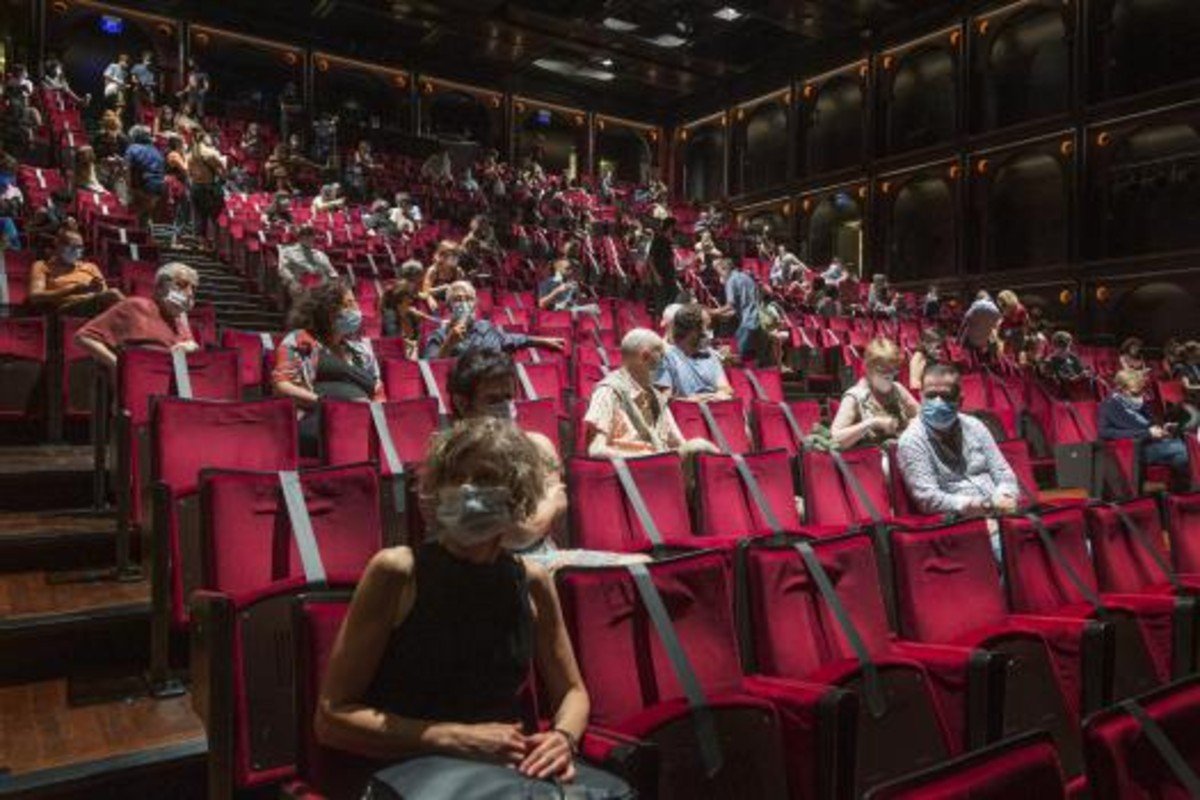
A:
(931, 350)
(323, 357)
(206, 169)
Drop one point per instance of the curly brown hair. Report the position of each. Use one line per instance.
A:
(317, 308)
(487, 452)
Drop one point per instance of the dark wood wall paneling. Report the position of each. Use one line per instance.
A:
(1049, 146)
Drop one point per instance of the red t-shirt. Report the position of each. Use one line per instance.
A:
(137, 321)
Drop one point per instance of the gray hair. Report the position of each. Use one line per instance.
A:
(461, 286)
(639, 340)
(140, 134)
(175, 271)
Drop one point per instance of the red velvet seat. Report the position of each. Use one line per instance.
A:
(253, 349)
(918, 712)
(764, 729)
(602, 514)
(1183, 531)
(1134, 561)
(1023, 766)
(242, 651)
(1073, 435)
(730, 423)
(979, 400)
(544, 380)
(79, 373)
(23, 368)
(762, 384)
(1126, 475)
(948, 591)
(349, 435)
(405, 380)
(540, 416)
(830, 499)
(1154, 634)
(772, 428)
(725, 505)
(1123, 763)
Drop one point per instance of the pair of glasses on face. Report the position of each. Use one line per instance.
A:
(948, 396)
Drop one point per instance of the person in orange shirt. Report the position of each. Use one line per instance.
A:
(67, 284)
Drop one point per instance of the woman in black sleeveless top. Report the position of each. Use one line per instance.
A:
(439, 640)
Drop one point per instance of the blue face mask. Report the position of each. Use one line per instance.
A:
(939, 414)
(349, 321)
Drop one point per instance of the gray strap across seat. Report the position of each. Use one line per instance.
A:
(431, 385)
(1164, 746)
(302, 528)
(183, 380)
(634, 495)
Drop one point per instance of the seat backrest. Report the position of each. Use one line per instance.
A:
(1123, 563)
(829, 498)
(545, 382)
(1074, 422)
(540, 416)
(252, 353)
(1035, 581)
(349, 436)
(1016, 453)
(770, 380)
(1122, 764)
(724, 503)
(728, 414)
(247, 533)
(23, 353)
(974, 392)
(602, 517)
(620, 655)
(403, 380)
(188, 436)
(143, 373)
(794, 631)
(1025, 766)
(772, 429)
(947, 581)
(1183, 528)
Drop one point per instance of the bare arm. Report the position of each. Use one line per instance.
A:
(553, 505)
(97, 350)
(303, 397)
(847, 429)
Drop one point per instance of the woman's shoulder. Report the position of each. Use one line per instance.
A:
(392, 564)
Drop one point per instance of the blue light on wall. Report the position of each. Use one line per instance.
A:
(113, 26)
(542, 117)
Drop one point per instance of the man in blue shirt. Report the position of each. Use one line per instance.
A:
(147, 170)
(691, 370)
(144, 84)
(741, 304)
(464, 332)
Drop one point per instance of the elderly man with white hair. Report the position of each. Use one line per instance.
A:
(463, 331)
(627, 415)
(159, 322)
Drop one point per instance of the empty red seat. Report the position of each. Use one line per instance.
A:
(540, 416)
(270, 536)
(602, 510)
(542, 381)
(722, 422)
(783, 425)
(1022, 766)
(1129, 550)
(1122, 474)
(1147, 748)
(948, 591)
(1183, 528)
(726, 503)
(765, 385)
(832, 628)
(395, 435)
(23, 363)
(254, 348)
(1049, 571)
(405, 380)
(852, 493)
(657, 649)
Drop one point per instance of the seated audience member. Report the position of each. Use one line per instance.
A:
(876, 408)
(931, 303)
(829, 303)
(931, 350)
(330, 199)
(484, 384)
(667, 323)
(787, 268)
(1131, 355)
(881, 300)
(323, 357)
(68, 284)
(560, 291)
(949, 461)
(463, 331)
(1063, 364)
(279, 212)
(691, 368)
(302, 260)
(627, 416)
(399, 310)
(1014, 321)
(442, 272)
(1125, 415)
(835, 273)
(160, 322)
(147, 174)
(979, 326)
(440, 640)
(84, 177)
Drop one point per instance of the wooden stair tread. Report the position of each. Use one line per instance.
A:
(40, 730)
(26, 595)
(40, 523)
(42, 458)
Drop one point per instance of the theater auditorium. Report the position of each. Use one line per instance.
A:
(600, 399)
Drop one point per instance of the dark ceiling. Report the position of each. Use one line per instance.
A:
(654, 58)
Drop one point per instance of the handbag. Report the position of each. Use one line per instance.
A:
(448, 778)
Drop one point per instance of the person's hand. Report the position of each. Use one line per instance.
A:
(1156, 432)
(885, 425)
(96, 285)
(1004, 503)
(496, 741)
(553, 343)
(185, 347)
(975, 505)
(549, 757)
(456, 333)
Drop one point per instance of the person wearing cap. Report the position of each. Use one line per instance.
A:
(303, 260)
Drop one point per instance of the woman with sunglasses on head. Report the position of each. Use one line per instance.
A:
(877, 408)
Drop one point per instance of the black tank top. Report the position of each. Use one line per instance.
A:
(464, 650)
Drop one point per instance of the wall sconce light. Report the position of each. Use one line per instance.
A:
(787, 209)
(862, 70)
(724, 120)
(291, 59)
(1104, 139)
(401, 81)
(579, 119)
(683, 136)
(1102, 294)
(807, 205)
(954, 172)
(202, 39)
(426, 87)
(654, 134)
(862, 192)
(741, 114)
(59, 7)
(322, 64)
(787, 97)
(888, 61)
(982, 166)
(1067, 147)
(809, 91)
(1064, 297)
(164, 30)
(885, 187)
(955, 37)
(983, 26)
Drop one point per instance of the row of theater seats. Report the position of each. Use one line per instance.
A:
(942, 584)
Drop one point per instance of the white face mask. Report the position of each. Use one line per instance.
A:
(178, 300)
(470, 515)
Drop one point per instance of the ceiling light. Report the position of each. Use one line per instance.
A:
(668, 40)
(727, 13)
(606, 62)
(614, 24)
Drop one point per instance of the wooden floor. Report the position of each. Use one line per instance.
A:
(38, 730)
(27, 523)
(28, 594)
(30, 459)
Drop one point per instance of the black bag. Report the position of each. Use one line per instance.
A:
(444, 777)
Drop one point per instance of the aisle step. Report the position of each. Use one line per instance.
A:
(45, 477)
(55, 540)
